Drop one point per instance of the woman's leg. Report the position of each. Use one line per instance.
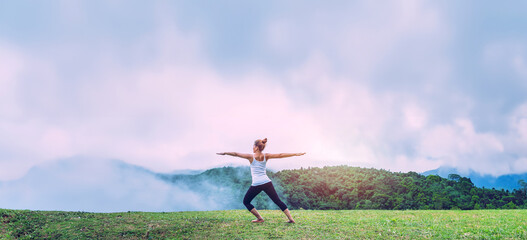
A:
(271, 192)
(249, 196)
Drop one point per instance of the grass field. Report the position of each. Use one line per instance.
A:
(235, 224)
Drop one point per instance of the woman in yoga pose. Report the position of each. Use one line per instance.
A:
(261, 181)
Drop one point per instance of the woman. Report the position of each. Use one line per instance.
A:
(261, 181)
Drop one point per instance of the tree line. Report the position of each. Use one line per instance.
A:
(345, 187)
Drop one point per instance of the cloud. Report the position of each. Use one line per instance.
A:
(458, 138)
(13, 63)
(458, 144)
(361, 83)
(26, 140)
(81, 184)
(517, 137)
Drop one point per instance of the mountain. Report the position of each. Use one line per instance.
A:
(346, 187)
(186, 172)
(83, 184)
(506, 182)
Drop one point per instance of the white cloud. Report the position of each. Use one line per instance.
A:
(415, 117)
(156, 115)
(517, 137)
(519, 166)
(159, 100)
(506, 57)
(80, 184)
(26, 140)
(12, 63)
(459, 145)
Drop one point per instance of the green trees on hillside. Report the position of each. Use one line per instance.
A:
(224, 187)
(346, 187)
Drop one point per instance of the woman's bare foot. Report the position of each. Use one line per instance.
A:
(288, 214)
(259, 218)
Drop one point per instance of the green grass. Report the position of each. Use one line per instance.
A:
(235, 224)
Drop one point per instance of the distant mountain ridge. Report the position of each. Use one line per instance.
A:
(97, 185)
(506, 182)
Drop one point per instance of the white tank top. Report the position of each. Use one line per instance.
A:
(258, 173)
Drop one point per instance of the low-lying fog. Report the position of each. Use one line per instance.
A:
(110, 186)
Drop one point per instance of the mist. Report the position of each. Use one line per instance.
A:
(83, 184)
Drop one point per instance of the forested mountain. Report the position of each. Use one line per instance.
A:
(344, 187)
(226, 186)
(507, 182)
(110, 186)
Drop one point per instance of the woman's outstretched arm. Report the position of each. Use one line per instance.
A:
(235, 154)
(282, 155)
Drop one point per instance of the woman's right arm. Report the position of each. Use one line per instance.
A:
(282, 155)
(235, 154)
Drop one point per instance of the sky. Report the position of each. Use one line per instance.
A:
(398, 85)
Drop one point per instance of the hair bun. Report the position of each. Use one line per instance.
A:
(264, 141)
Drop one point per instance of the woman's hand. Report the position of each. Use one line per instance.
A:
(222, 153)
(300, 154)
